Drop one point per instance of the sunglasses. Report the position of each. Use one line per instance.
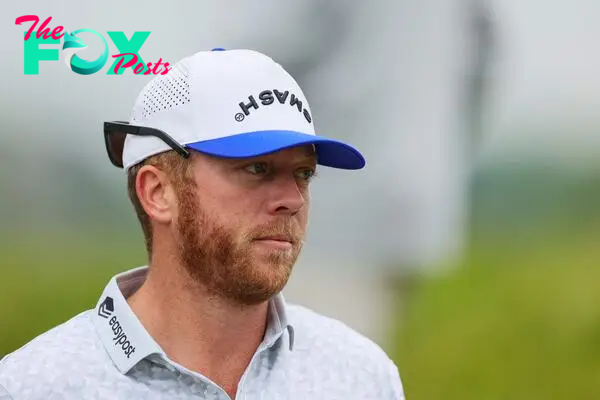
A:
(115, 133)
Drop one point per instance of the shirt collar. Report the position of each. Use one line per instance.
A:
(126, 340)
(278, 323)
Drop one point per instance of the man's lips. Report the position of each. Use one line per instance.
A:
(279, 242)
(278, 238)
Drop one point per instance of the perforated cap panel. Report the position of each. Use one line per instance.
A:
(166, 91)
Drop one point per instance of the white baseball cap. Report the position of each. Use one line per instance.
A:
(226, 103)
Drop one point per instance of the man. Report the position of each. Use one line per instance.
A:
(219, 155)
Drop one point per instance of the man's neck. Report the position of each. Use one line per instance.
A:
(203, 333)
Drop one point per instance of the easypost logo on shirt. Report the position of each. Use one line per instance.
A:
(107, 307)
(119, 337)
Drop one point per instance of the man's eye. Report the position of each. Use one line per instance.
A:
(307, 174)
(257, 168)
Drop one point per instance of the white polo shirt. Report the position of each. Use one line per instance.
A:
(106, 353)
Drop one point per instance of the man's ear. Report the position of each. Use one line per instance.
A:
(156, 194)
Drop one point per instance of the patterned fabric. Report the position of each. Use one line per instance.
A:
(105, 353)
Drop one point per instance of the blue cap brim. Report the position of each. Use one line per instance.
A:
(330, 153)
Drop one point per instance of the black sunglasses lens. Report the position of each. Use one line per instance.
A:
(115, 144)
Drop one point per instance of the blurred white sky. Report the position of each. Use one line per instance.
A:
(548, 94)
(383, 75)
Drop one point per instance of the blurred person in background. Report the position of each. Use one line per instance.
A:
(219, 154)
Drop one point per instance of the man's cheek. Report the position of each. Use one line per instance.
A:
(304, 218)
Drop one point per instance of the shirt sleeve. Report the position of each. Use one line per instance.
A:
(4, 394)
(395, 382)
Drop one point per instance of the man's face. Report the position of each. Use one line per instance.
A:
(241, 229)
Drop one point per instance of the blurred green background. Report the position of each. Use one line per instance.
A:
(518, 317)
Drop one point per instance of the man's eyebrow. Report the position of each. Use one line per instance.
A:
(312, 158)
(309, 152)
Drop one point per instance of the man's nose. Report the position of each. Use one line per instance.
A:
(286, 195)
